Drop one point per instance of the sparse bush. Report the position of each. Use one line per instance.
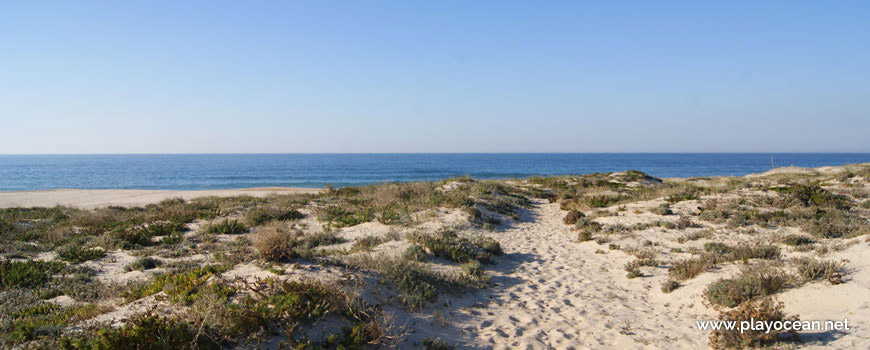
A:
(761, 310)
(275, 243)
(809, 269)
(634, 274)
(753, 282)
(688, 268)
(572, 217)
(226, 227)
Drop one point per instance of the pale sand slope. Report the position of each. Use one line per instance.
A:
(88, 199)
(553, 293)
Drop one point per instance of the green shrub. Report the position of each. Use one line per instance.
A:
(75, 253)
(226, 227)
(753, 282)
(147, 332)
(813, 195)
(449, 245)
(27, 274)
(144, 263)
(180, 287)
(416, 284)
(261, 215)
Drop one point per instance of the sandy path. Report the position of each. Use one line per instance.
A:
(89, 199)
(557, 294)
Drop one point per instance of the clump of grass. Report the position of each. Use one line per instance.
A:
(753, 282)
(145, 263)
(761, 310)
(809, 269)
(635, 273)
(572, 217)
(260, 215)
(669, 286)
(226, 227)
(75, 253)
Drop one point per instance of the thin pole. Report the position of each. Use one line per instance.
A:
(772, 166)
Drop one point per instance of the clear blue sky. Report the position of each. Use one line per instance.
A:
(434, 76)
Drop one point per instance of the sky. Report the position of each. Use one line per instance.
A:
(434, 76)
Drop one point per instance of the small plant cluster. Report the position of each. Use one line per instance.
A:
(760, 310)
(449, 245)
(226, 227)
(260, 215)
(266, 306)
(753, 282)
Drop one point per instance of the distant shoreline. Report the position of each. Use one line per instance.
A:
(88, 199)
(95, 198)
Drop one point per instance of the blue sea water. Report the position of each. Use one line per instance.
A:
(219, 171)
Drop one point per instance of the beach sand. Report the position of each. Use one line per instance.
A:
(89, 199)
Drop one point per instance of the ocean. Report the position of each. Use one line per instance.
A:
(222, 171)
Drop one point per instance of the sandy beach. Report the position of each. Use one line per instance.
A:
(89, 199)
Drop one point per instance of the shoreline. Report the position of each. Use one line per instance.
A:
(96, 198)
(90, 199)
